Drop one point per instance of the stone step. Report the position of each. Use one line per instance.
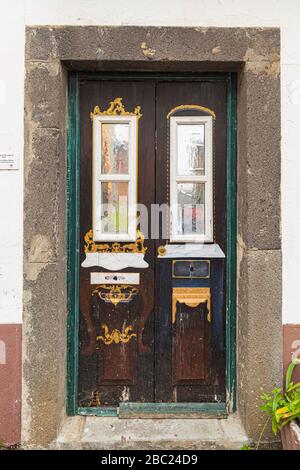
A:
(92, 432)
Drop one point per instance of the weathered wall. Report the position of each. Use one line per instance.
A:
(44, 327)
(255, 54)
(12, 41)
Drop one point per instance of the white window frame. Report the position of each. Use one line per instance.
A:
(130, 178)
(207, 179)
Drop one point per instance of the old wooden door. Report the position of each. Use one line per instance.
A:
(151, 296)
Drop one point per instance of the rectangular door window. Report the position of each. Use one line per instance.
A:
(114, 178)
(191, 179)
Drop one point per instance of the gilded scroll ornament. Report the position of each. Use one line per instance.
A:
(116, 108)
(192, 297)
(116, 336)
(92, 247)
(116, 293)
(197, 107)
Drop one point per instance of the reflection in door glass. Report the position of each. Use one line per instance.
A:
(114, 207)
(190, 151)
(114, 152)
(191, 208)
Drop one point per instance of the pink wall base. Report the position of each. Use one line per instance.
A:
(291, 347)
(10, 383)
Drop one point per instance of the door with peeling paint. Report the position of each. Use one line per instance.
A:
(151, 295)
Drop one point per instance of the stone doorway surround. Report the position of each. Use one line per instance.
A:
(254, 53)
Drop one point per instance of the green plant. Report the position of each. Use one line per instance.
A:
(283, 406)
(246, 447)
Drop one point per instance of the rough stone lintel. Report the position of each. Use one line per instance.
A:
(163, 44)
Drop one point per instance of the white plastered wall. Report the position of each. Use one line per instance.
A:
(12, 42)
(17, 13)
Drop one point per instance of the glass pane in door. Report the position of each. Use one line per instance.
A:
(191, 208)
(114, 207)
(114, 148)
(190, 149)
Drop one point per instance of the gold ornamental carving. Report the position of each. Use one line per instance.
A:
(197, 107)
(116, 293)
(192, 297)
(93, 247)
(116, 336)
(116, 108)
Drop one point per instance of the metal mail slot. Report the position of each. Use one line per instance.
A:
(191, 269)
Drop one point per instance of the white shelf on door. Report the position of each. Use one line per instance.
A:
(194, 250)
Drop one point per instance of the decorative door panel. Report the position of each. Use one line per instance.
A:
(191, 338)
(191, 124)
(152, 298)
(116, 298)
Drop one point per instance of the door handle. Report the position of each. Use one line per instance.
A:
(161, 250)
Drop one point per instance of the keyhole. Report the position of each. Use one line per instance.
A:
(191, 269)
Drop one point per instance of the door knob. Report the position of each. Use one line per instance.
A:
(161, 250)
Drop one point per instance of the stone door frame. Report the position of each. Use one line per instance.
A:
(52, 51)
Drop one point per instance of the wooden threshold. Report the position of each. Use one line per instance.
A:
(159, 410)
(172, 410)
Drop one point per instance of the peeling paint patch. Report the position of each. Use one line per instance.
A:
(40, 249)
(147, 51)
(2, 352)
(27, 297)
(241, 247)
(53, 67)
(32, 270)
(40, 253)
(28, 141)
(259, 64)
(216, 50)
(274, 69)
(201, 29)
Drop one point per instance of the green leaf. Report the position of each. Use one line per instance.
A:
(283, 407)
(289, 373)
(274, 426)
(293, 387)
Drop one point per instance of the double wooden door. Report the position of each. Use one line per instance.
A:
(138, 340)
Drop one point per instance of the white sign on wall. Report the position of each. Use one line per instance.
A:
(8, 161)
